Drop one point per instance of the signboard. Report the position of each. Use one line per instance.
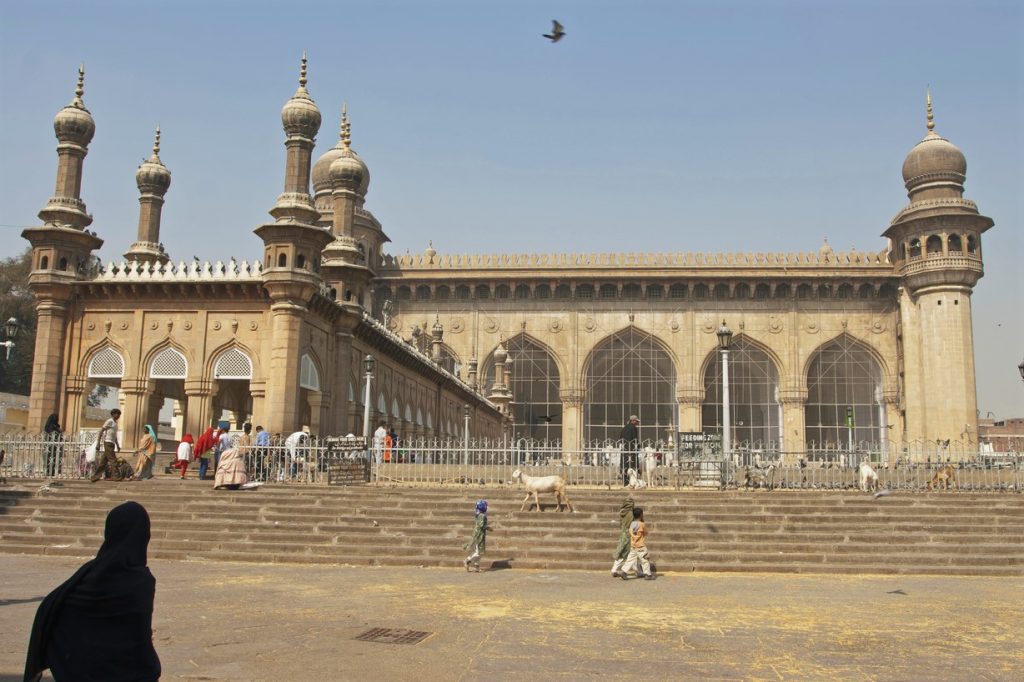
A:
(696, 444)
(348, 472)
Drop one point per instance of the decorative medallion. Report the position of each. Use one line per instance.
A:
(254, 325)
(187, 325)
(216, 326)
(877, 326)
(589, 324)
(674, 325)
(708, 324)
(812, 327)
(124, 325)
(774, 324)
(154, 325)
(555, 326)
(91, 326)
(458, 325)
(491, 326)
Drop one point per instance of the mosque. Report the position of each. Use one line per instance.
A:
(825, 350)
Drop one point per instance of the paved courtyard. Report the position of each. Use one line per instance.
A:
(222, 621)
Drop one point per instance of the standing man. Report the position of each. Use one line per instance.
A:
(262, 453)
(223, 444)
(630, 437)
(107, 438)
(244, 446)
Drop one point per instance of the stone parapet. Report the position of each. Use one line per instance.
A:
(128, 271)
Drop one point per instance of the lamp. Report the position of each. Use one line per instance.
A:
(724, 339)
(465, 443)
(10, 331)
(724, 336)
(368, 363)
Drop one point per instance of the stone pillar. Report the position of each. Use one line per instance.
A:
(318, 404)
(47, 363)
(794, 404)
(199, 410)
(257, 389)
(77, 391)
(178, 420)
(691, 401)
(572, 419)
(283, 383)
(136, 394)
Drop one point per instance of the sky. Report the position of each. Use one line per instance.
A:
(652, 126)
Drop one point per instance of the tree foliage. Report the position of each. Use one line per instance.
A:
(17, 301)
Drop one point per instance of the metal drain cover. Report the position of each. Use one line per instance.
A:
(393, 636)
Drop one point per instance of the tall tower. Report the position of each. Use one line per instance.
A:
(153, 180)
(935, 244)
(61, 251)
(292, 246)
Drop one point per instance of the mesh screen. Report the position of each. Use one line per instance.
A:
(842, 374)
(233, 364)
(754, 409)
(168, 364)
(107, 364)
(536, 406)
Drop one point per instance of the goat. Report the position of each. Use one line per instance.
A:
(944, 477)
(648, 464)
(543, 484)
(635, 482)
(755, 477)
(868, 477)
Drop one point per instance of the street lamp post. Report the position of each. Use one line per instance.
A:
(724, 339)
(368, 363)
(10, 331)
(465, 441)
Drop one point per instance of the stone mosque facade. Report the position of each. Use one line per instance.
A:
(869, 351)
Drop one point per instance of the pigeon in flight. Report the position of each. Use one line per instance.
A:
(556, 32)
(882, 493)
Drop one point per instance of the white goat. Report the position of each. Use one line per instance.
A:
(635, 482)
(868, 477)
(649, 464)
(542, 484)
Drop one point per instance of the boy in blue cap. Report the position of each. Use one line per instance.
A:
(479, 540)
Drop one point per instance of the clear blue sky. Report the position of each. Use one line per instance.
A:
(654, 126)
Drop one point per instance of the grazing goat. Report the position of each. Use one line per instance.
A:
(543, 484)
(868, 477)
(944, 477)
(635, 482)
(756, 477)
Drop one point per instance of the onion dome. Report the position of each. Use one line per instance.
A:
(934, 160)
(322, 182)
(153, 176)
(430, 252)
(74, 123)
(347, 168)
(300, 115)
(500, 354)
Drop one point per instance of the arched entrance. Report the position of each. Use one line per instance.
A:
(844, 390)
(754, 408)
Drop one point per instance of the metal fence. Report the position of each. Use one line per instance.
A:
(606, 464)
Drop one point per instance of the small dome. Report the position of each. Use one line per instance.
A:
(500, 354)
(934, 159)
(300, 115)
(430, 252)
(322, 168)
(153, 176)
(74, 123)
(347, 170)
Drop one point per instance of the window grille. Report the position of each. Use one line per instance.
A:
(536, 406)
(233, 364)
(309, 377)
(107, 364)
(168, 364)
(754, 408)
(842, 374)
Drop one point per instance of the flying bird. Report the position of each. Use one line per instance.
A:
(900, 592)
(881, 493)
(557, 33)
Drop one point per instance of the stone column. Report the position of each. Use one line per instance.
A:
(47, 363)
(691, 401)
(178, 420)
(283, 383)
(794, 404)
(136, 394)
(572, 419)
(257, 389)
(318, 403)
(78, 389)
(199, 410)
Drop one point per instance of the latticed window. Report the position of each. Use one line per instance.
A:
(233, 364)
(843, 374)
(536, 406)
(309, 377)
(629, 373)
(754, 410)
(449, 361)
(107, 364)
(168, 364)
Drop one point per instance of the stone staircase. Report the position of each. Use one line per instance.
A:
(779, 531)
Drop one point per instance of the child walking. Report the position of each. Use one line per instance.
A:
(478, 542)
(638, 548)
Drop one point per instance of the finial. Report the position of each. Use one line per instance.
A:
(346, 127)
(80, 88)
(302, 71)
(931, 119)
(156, 142)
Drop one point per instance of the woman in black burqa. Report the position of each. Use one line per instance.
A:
(98, 625)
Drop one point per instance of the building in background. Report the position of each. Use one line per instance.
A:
(865, 351)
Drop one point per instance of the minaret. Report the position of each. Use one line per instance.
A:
(153, 180)
(935, 245)
(345, 267)
(291, 268)
(61, 254)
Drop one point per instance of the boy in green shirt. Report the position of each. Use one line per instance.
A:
(479, 540)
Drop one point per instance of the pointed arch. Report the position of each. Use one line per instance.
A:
(450, 359)
(168, 363)
(232, 363)
(105, 361)
(844, 379)
(309, 373)
(222, 355)
(755, 409)
(535, 385)
(629, 372)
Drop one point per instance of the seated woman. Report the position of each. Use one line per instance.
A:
(98, 625)
(145, 453)
(231, 473)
